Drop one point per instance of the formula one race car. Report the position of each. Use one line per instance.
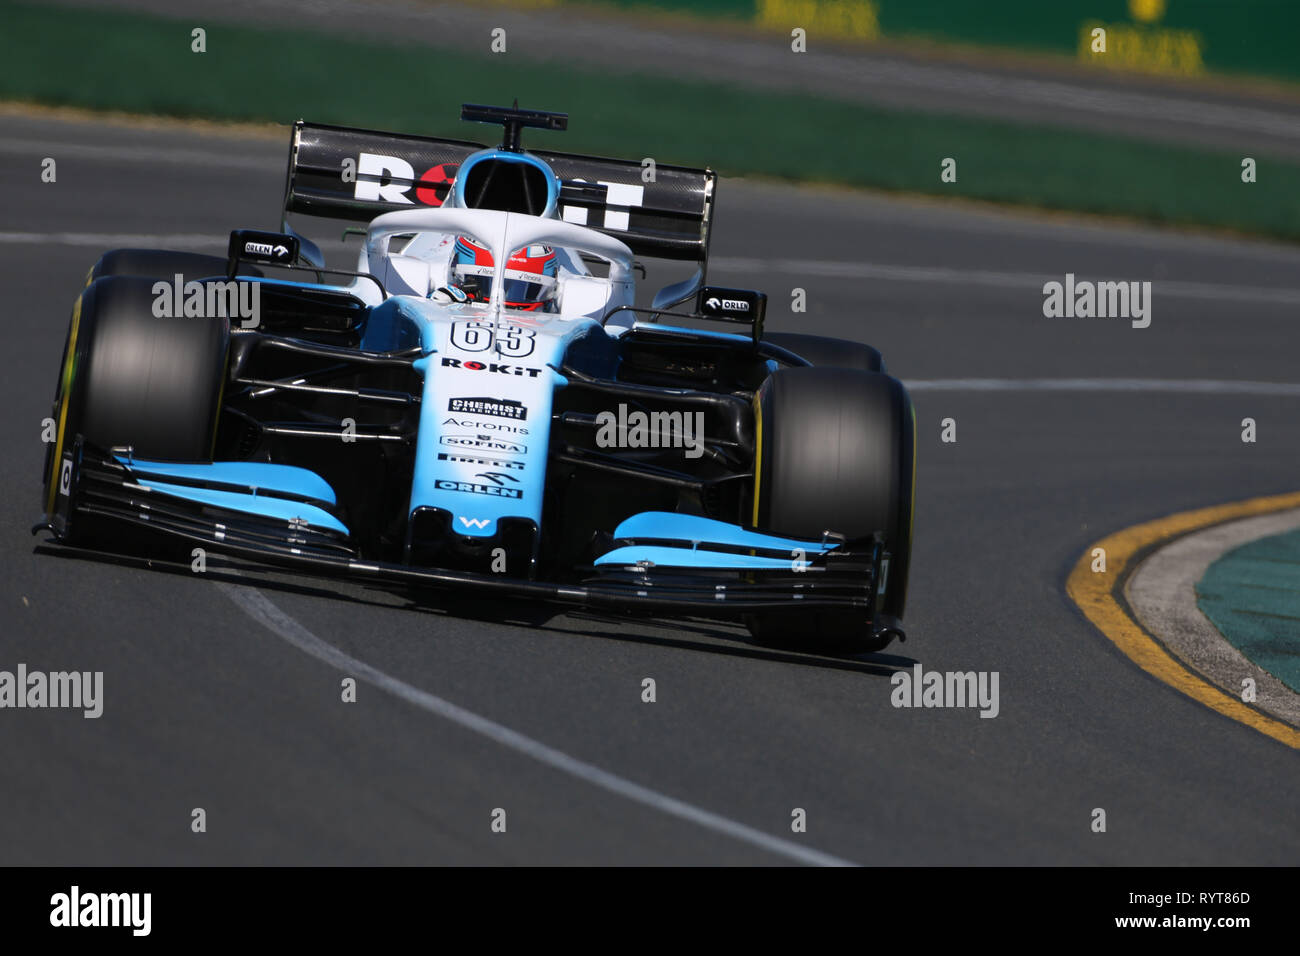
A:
(481, 406)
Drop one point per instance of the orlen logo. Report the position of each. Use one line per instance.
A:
(266, 249)
(430, 188)
(730, 305)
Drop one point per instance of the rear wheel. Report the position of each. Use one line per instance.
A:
(131, 378)
(835, 454)
(829, 353)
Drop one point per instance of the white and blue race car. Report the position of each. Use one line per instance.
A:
(481, 405)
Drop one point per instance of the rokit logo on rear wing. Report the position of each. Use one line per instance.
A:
(381, 178)
(619, 199)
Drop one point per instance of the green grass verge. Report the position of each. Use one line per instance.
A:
(1250, 594)
(119, 61)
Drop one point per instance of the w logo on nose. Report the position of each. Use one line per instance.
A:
(479, 523)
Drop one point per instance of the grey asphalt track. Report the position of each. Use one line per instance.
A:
(205, 706)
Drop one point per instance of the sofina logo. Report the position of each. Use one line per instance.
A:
(484, 443)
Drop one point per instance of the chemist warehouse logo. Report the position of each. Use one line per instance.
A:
(76, 909)
(497, 407)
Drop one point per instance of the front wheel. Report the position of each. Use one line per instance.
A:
(131, 378)
(826, 352)
(836, 453)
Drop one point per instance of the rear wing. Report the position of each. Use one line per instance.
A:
(356, 174)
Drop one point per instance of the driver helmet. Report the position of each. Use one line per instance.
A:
(529, 276)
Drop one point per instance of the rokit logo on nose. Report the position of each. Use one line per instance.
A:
(476, 366)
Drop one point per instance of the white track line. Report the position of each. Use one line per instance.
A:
(260, 608)
(110, 240)
(880, 271)
(58, 149)
(122, 240)
(930, 275)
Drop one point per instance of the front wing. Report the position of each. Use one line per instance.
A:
(740, 572)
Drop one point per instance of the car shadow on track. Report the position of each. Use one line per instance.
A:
(738, 643)
(705, 635)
